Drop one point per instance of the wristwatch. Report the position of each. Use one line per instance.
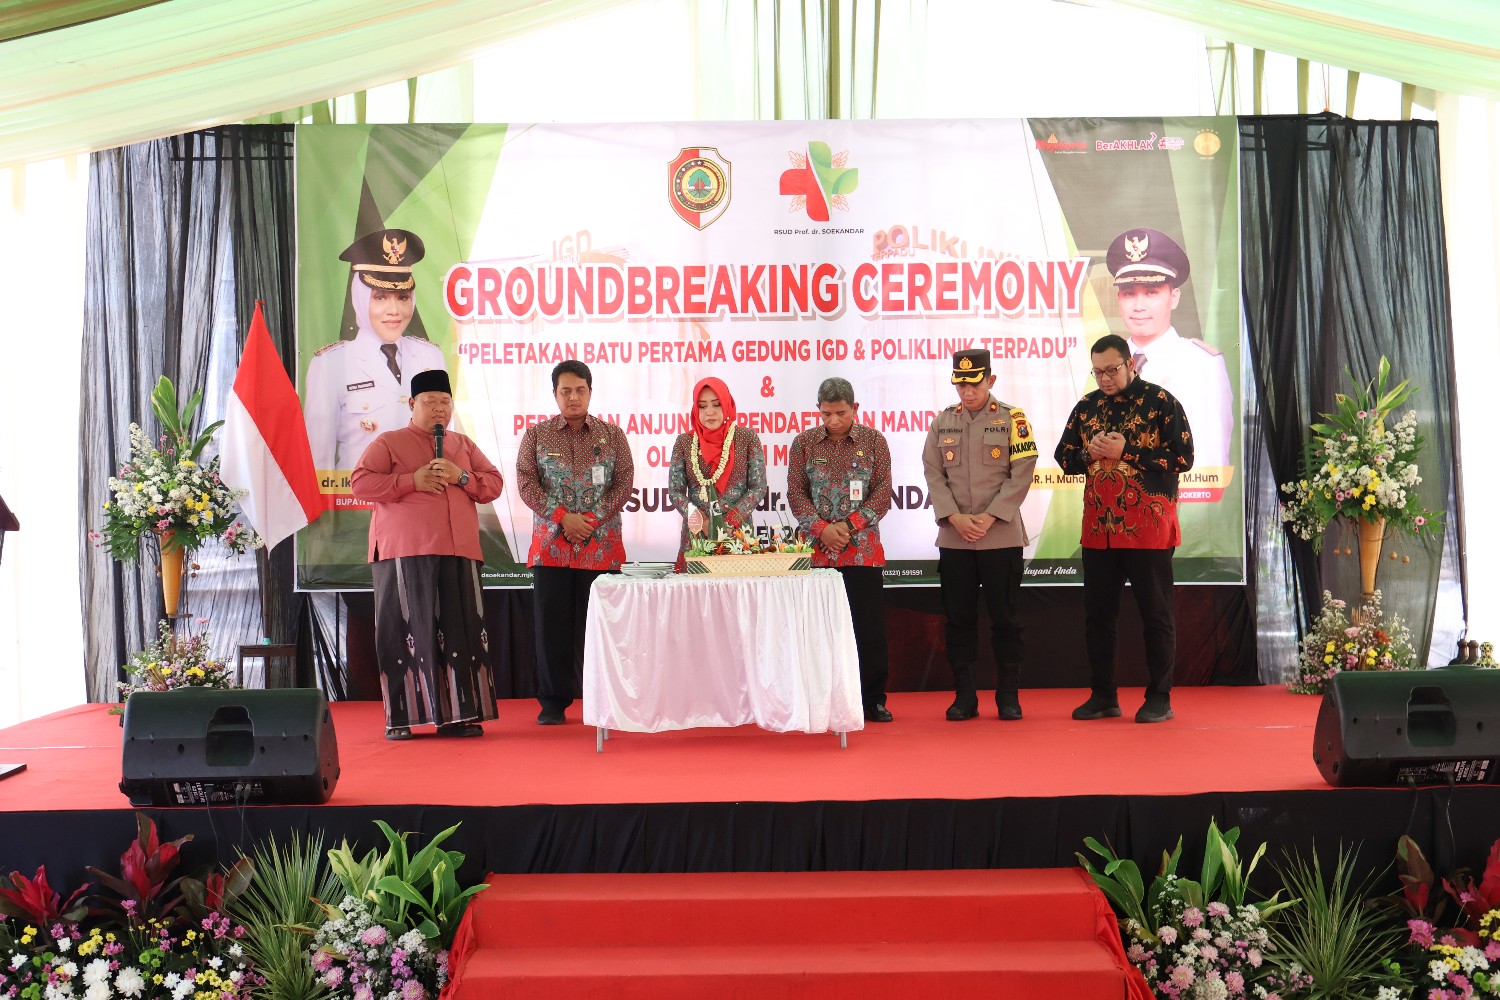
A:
(463, 477)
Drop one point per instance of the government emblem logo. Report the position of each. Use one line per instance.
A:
(699, 180)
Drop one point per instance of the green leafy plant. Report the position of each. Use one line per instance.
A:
(1336, 939)
(279, 909)
(418, 891)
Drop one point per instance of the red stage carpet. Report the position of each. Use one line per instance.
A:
(1224, 739)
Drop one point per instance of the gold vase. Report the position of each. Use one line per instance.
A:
(171, 572)
(1371, 535)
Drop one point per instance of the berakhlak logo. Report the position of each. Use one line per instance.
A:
(819, 181)
(699, 180)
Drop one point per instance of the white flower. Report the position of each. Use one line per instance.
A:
(182, 990)
(16, 961)
(1388, 993)
(96, 972)
(171, 980)
(130, 982)
(1438, 970)
(97, 991)
(63, 943)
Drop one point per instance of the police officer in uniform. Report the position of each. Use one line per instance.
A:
(978, 461)
(1149, 269)
(358, 389)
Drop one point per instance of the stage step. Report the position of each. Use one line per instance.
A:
(1021, 933)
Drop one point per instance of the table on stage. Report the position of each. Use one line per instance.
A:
(687, 651)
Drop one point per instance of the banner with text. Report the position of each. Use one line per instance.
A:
(771, 255)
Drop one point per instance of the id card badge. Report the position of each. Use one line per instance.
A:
(856, 491)
(598, 475)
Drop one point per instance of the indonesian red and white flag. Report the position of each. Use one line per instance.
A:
(265, 449)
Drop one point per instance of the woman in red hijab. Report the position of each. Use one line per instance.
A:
(717, 467)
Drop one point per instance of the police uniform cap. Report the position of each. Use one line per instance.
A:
(383, 259)
(970, 367)
(433, 380)
(1146, 257)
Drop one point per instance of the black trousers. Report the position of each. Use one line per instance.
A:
(863, 586)
(561, 606)
(1149, 572)
(965, 574)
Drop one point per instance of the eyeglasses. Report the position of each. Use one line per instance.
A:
(1112, 372)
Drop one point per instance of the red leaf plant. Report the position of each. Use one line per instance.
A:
(1477, 898)
(34, 901)
(145, 888)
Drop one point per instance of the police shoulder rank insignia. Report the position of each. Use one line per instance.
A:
(994, 407)
(1204, 346)
(994, 453)
(950, 440)
(328, 347)
(1022, 442)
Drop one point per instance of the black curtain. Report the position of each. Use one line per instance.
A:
(1345, 262)
(184, 235)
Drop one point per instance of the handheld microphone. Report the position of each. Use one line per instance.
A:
(437, 439)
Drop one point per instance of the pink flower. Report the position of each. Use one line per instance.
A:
(1217, 909)
(1254, 957)
(413, 991)
(1192, 917)
(333, 978)
(1235, 982)
(1421, 520)
(373, 935)
(1182, 976)
(1209, 952)
(1168, 935)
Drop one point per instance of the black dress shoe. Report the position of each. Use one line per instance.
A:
(964, 707)
(1098, 707)
(1156, 709)
(1009, 706)
(878, 714)
(460, 729)
(550, 717)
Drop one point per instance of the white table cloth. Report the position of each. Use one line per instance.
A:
(688, 651)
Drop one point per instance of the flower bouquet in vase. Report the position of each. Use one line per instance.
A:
(165, 493)
(1358, 471)
(1337, 642)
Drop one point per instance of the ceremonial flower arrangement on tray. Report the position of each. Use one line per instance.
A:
(1357, 469)
(1336, 643)
(164, 491)
(174, 662)
(742, 552)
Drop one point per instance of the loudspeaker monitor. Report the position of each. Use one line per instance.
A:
(198, 746)
(1410, 727)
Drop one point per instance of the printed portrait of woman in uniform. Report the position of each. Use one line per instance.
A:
(357, 389)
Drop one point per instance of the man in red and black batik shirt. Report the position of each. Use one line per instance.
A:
(838, 485)
(575, 472)
(1131, 439)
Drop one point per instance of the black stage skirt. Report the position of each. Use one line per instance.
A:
(431, 643)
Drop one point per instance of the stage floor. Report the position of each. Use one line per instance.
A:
(918, 793)
(1224, 739)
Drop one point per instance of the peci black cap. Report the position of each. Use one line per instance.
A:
(1146, 256)
(383, 259)
(432, 380)
(970, 367)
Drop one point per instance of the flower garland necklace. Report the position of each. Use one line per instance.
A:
(724, 455)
